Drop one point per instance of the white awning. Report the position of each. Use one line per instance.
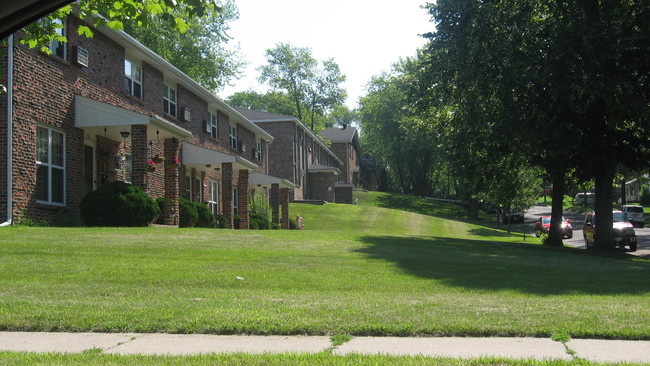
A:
(317, 168)
(201, 158)
(265, 180)
(97, 118)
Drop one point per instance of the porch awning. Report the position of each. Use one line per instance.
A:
(267, 180)
(97, 118)
(317, 168)
(201, 158)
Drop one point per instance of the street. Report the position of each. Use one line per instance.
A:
(642, 235)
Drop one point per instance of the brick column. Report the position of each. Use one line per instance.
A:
(275, 202)
(139, 152)
(170, 210)
(242, 187)
(226, 192)
(284, 201)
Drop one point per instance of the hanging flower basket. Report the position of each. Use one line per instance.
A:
(151, 166)
(158, 159)
(175, 163)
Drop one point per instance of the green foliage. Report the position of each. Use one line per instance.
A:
(205, 218)
(275, 226)
(187, 212)
(645, 196)
(113, 15)
(259, 222)
(293, 225)
(222, 222)
(313, 86)
(118, 204)
(200, 51)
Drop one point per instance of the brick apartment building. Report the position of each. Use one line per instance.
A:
(345, 144)
(98, 109)
(299, 156)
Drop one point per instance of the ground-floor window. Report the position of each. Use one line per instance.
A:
(213, 196)
(50, 166)
(188, 187)
(128, 167)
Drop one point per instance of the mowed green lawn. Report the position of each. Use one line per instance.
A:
(358, 269)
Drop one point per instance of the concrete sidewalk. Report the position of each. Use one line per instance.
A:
(456, 347)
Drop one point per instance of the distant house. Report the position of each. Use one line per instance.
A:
(345, 144)
(98, 109)
(633, 188)
(299, 156)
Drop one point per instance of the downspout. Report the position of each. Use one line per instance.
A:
(10, 95)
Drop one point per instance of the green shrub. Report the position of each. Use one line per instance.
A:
(258, 221)
(292, 224)
(253, 225)
(222, 222)
(205, 217)
(275, 226)
(235, 220)
(187, 212)
(118, 204)
(645, 196)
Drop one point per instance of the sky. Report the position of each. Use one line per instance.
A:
(365, 37)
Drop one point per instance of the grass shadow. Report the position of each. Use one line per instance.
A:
(497, 266)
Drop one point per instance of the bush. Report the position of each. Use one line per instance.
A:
(292, 224)
(275, 226)
(222, 222)
(187, 212)
(205, 217)
(118, 204)
(645, 196)
(258, 221)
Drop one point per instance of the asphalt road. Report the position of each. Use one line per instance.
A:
(642, 235)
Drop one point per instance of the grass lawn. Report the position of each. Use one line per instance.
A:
(357, 269)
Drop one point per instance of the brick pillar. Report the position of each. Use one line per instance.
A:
(275, 202)
(139, 152)
(170, 210)
(242, 187)
(284, 201)
(226, 192)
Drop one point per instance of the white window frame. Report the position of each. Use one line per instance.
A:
(258, 150)
(127, 165)
(48, 164)
(213, 196)
(213, 123)
(170, 100)
(232, 134)
(133, 77)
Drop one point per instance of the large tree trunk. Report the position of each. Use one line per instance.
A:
(604, 178)
(557, 209)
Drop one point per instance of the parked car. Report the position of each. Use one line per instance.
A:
(622, 230)
(512, 217)
(583, 199)
(634, 214)
(543, 225)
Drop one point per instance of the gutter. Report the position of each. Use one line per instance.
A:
(10, 96)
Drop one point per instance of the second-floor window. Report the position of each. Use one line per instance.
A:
(233, 136)
(258, 151)
(169, 100)
(213, 127)
(133, 78)
(56, 46)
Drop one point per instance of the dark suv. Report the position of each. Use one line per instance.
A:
(623, 231)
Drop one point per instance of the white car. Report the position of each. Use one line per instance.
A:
(634, 214)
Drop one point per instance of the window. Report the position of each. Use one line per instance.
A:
(235, 201)
(188, 187)
(56, 46)
(233, 136)
(169, 100)
(133, 78)
(213, 196)
(50, 166)
(213, 127)
(128, 167)
(258, 150)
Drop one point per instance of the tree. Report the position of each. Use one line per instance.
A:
(311, 88)
(113, 14)
(200, 51)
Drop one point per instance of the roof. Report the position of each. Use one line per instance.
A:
(264, 117)
(337, 134)
(132, 46)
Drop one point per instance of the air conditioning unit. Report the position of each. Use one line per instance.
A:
(242, 146)
(187, 114)
(208, 128)
(82, 56)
